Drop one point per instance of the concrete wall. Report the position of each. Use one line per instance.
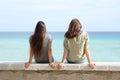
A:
(16, 71)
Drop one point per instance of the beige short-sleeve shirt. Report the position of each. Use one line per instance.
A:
(75, 47)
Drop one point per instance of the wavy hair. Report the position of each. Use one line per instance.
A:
(74, 29)
(36, 40)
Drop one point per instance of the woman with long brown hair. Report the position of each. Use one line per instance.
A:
(41, 46)
(75, 45)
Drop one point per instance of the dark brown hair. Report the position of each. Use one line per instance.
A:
(74, 29)
(36, 40)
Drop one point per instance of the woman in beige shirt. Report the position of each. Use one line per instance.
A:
(75, 45)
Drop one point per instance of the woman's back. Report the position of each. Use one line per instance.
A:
(75, 46)
(44, 52)
(40, 46)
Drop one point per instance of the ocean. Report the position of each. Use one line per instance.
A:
(103, 46)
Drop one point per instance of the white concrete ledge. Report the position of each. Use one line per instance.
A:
(100, 66)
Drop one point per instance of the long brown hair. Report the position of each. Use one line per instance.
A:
(74, 29)
(36, 40)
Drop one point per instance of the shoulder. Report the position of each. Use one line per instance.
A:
(48, 36)
(85, 34)
(65, 38)
(31, 37)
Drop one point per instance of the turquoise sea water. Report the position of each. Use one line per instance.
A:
(104, 46)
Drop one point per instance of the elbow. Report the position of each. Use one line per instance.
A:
(86, 50)
(49, 50)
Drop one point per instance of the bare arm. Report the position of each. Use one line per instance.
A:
(50, 53)
(64, 57)
(52, 64)
(88, 55)
(88, 58)
(27, 64)
(31, 56)
(60, 65)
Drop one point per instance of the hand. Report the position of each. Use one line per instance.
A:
(52, 65)
(60, 65)
(92, 65)
(27, 64)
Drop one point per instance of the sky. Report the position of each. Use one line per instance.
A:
(94, 15)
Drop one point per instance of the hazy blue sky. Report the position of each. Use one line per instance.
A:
(95, 15)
